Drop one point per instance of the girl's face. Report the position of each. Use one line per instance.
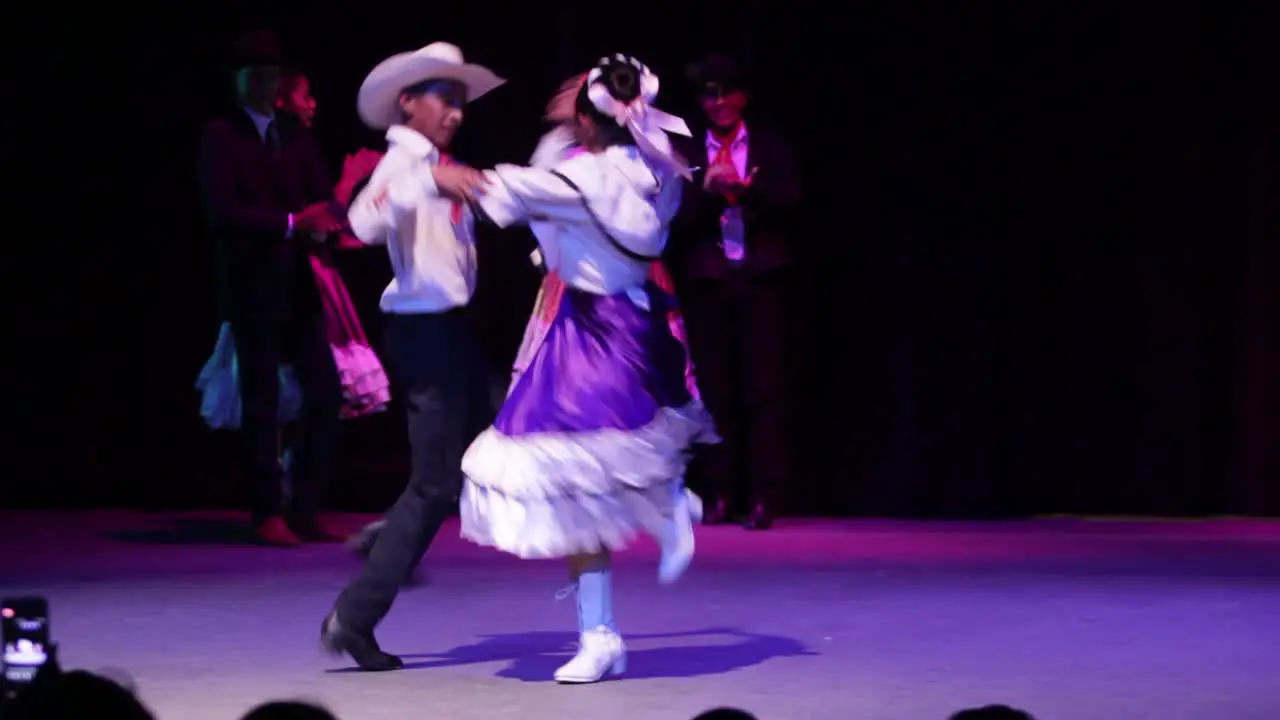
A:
(298, 101)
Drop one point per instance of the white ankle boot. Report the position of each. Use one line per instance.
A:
(677, 541)
(600, 653)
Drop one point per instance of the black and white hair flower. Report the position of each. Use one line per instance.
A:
(623, 88)
(604, 92)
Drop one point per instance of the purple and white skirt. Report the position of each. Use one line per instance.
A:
(591, 446)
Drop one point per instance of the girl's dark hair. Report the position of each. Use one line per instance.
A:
(622, 80)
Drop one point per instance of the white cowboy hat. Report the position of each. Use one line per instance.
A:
(379, 100)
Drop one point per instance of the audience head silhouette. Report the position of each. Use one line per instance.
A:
(289, 710)
(992, 712)
(79, 694)
(725, 713)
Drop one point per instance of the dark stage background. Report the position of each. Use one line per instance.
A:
(1039, 261)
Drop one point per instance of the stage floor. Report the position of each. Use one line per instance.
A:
(876, 620)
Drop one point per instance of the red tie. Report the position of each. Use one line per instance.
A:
(455, 213)
(724, 155)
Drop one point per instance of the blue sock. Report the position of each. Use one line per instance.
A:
(595, 600)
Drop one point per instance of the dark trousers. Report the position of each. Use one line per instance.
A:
(445, 386)
(737, 335)
(261, 346)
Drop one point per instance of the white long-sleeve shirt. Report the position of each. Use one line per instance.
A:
(631, 199)
(431, 240)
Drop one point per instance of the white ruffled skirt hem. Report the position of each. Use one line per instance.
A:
(552, 495)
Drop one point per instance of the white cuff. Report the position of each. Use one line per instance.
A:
(497, 202)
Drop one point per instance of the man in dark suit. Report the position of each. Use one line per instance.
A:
(267, 198)
(730, 249)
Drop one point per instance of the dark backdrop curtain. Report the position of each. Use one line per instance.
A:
(1039, 258)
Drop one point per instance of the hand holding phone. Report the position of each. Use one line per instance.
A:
(25, 625)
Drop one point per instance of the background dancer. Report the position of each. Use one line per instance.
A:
(731, 251)
(365, 388)
(268, 199)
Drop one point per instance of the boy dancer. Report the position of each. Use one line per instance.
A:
(416, 204)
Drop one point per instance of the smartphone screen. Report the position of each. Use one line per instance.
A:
(26, 639)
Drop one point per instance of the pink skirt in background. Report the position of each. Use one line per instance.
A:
(365, 387)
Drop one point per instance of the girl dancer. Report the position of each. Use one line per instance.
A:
(592, 443)
(556, 146)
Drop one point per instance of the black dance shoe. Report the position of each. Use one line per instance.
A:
(362, 647)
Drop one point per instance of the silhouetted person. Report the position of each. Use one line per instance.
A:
(725, 713)
(77, 695)
(992, 712)
(289, 710)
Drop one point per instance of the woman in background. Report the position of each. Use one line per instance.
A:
(295, 97)
(364, 382)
